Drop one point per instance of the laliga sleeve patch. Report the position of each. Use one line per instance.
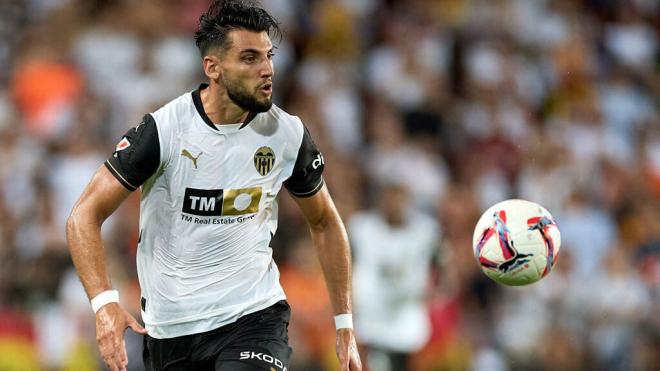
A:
(137, 155)
(123, 144)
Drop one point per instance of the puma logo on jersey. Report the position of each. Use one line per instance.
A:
(185, 153)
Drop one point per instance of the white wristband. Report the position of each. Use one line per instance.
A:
(106, 297)
(344, 321)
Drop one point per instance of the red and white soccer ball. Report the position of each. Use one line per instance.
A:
(516, 242)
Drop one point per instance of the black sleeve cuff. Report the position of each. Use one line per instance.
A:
(310, 193)
(119, 177)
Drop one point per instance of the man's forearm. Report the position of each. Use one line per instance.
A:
(83, 232)
(332, 247)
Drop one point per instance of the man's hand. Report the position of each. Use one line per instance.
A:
(347, 352)
(111, 322)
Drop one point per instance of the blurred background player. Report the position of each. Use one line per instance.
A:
(393, 245)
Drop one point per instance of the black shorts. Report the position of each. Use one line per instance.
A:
(257, 341)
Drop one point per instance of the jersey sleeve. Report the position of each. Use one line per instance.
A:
(307, 176)
(137, 155)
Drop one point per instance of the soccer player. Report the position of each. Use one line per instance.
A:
(210, 164)
(394, 246)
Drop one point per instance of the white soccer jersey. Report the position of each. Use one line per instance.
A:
(391, 274)
(208, 210)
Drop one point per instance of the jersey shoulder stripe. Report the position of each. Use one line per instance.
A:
(172, 120)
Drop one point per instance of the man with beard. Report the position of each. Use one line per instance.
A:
(210, 165)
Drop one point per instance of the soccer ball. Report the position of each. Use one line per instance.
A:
(516, 242)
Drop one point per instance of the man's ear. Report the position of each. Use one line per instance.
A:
(212, 68)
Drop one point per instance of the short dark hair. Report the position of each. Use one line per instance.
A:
(227, 15)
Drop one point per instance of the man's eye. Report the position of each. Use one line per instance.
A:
(249, 59)
(271, 55)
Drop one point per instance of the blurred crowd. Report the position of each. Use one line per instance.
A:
(427, 112)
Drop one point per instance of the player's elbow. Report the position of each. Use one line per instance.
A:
(81, 215)
(318, 225)
(73, 221)
(328, 221)
(320, 222)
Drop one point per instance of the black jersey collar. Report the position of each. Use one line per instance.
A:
(197, 100)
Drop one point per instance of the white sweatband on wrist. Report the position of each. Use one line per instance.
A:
(344, 321)
(106, 297)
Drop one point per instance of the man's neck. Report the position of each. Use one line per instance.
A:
(219, 107)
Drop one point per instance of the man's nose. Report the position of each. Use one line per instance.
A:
(267, 68)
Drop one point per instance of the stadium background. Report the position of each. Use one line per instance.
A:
(465, 102)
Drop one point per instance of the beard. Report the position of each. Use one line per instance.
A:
(244, 99)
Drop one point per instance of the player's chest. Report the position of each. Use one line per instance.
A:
(222, 159)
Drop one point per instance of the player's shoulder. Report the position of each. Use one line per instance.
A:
(280, 120)
(284, 117)
(179, 109)
(277, 113)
